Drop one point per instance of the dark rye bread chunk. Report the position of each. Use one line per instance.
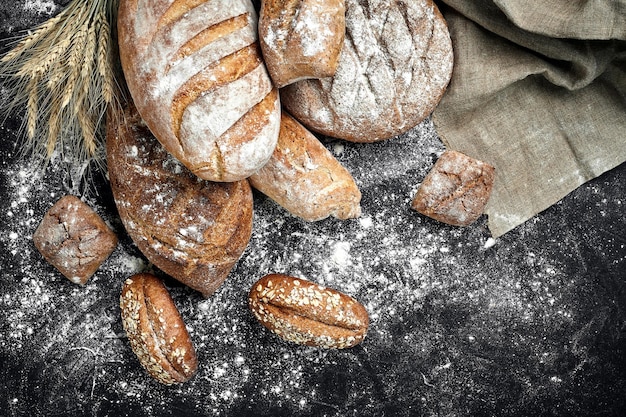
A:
(156, 331)
(74, 239)
(394, 67)
(192, 229)
(195, 72)
(456, 190)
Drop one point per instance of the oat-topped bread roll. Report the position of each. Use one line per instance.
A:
(192, 229)
(156, 330)
(305, 178)
(393, 70)
(301, 39)
(195, 72)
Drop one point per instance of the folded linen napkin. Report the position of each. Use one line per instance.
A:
(539, 91)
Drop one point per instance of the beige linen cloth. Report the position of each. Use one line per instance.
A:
(539, 91)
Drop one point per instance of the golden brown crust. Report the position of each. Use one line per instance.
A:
(74, 239)
(301, 39)
(305, 178)
(393, 70)
(156, 331)
(456, 190)
(302, 312)
(194, 230)
(194, 69)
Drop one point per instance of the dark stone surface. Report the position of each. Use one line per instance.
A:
(533, 323)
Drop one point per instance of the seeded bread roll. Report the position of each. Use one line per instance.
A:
(303, 312)
(305, 178)
(456, 190)
(194, 230)
(393, 70)
(156, 331)
(301, 39)
(195, 72)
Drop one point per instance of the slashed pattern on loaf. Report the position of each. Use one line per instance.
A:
(194, 230)
(199, 71)
(394, 67)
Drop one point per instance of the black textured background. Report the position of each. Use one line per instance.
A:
(531, 324)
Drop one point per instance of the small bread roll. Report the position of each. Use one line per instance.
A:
(305, 178)
(195, 71)
(301, 39)
(156, 331)
(303, 312)
(74, 239)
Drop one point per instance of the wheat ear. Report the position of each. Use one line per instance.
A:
(62, 73)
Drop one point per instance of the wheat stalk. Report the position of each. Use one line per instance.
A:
(32, 107)
(31, 39)
(62, 73)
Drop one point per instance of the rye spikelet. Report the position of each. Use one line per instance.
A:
(62, 75)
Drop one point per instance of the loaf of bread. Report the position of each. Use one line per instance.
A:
(192, 229)
(195, 72)
(156, 331)
(305, 178)
(303, 312)
(456, 189)
(74, 239)
(393, 70)
(301, 39)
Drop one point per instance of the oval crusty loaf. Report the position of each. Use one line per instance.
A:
(301, 39)
(194, 230)
(196, 75)
(305, 178)
(393, 70)
(156, 331)
(303, 312)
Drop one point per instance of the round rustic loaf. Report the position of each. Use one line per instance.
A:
(195, 72)
(394, 67)
(192, 229)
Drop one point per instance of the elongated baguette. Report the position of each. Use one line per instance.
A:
(195, 72)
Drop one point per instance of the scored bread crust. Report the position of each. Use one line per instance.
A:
(306, 313)
(301, 39)
(394, 67)
(456, 190)
(305, 178)
(156, 331)
(194, 230)
(195, 72)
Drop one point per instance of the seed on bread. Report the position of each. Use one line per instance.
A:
(156, 331)
(303, 312)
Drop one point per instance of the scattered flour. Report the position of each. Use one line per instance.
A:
(41, 6)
